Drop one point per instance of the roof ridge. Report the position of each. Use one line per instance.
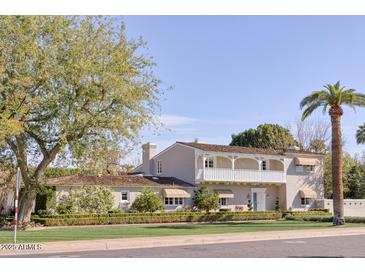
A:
(249, 149)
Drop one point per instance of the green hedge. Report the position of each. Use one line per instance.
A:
(138, 218)
(306, 213)
(171, 217)
(330, 218)
(169, 213)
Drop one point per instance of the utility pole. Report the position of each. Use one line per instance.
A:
(16, 208)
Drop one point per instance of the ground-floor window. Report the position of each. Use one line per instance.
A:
(222, 201)
(124, 195)
(174, 201)
(304, 169)
(306, 201)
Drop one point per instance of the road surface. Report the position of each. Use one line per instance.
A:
(325, 247)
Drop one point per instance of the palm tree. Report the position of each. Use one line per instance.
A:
(334, 97)
(360, 135)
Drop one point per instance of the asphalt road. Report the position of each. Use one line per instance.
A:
(326, 247)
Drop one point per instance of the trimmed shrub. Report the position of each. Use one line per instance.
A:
(46, 199)
(325, 210)
(165, 217)
(318, 219)
(330, 219)
(87, 199)
(305, 213)
(65, 208)
(355, 220)
(293, 218)
(277, 204)
(205, 200)
(147, 201)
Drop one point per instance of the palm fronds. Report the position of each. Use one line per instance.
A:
(360, 135)
(332, 95)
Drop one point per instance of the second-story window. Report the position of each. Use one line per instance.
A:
(209, 163)
(264, 165)
(159, 167)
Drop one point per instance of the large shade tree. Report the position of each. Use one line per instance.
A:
(269, 136)
(68, 84)
(334, 97)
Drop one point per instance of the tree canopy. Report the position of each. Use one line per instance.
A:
(87, 199)
(353, 175)
(67, 84)
(147, 201)
(205, 200)
(269, 136)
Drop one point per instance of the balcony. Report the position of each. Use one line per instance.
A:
(242, 168)
(240, 175)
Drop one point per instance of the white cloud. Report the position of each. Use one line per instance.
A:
(175, 120)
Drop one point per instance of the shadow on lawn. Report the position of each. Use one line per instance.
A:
(198, 225)
(174, 227)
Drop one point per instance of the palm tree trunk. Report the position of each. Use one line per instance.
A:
(337, 187)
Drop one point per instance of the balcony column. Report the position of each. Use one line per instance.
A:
(232, 165)
(232, 162)
(260, 170)
(203, 158)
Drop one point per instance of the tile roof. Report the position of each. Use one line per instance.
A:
(239, 149)
(118, 181)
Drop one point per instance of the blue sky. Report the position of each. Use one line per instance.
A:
(231, 73)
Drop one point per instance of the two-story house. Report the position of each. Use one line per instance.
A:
(242, 176)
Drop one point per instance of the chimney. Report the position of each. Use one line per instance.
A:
(148, 151)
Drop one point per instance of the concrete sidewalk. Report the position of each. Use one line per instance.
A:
(147, 242)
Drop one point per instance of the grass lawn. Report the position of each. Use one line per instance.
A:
(112, 232)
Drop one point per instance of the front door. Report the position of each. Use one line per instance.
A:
(258, 196)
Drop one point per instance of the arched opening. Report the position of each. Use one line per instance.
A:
(276, 165)
(246, 163)
(222, 162)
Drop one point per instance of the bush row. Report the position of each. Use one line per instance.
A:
(305, 213)
(125, 214)
(182, 212)
(160, 218)
(324, 219)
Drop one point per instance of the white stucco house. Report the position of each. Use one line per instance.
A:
(241, 175)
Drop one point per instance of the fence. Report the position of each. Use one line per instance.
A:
(352, 207)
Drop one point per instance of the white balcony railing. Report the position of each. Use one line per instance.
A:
(241, 175)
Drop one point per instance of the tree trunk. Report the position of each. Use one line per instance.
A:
(26, 205)
(337, 187)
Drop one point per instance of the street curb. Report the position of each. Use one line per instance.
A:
(166, 241)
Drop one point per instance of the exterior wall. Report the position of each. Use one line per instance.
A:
(178, 161)
(199, 163)
(276, 165)
(222, 162)
(242, 193)
(352, 207)
(133, 192)
(296, 181)
(242, 163)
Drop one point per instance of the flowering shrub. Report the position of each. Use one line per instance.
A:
(86, 199)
